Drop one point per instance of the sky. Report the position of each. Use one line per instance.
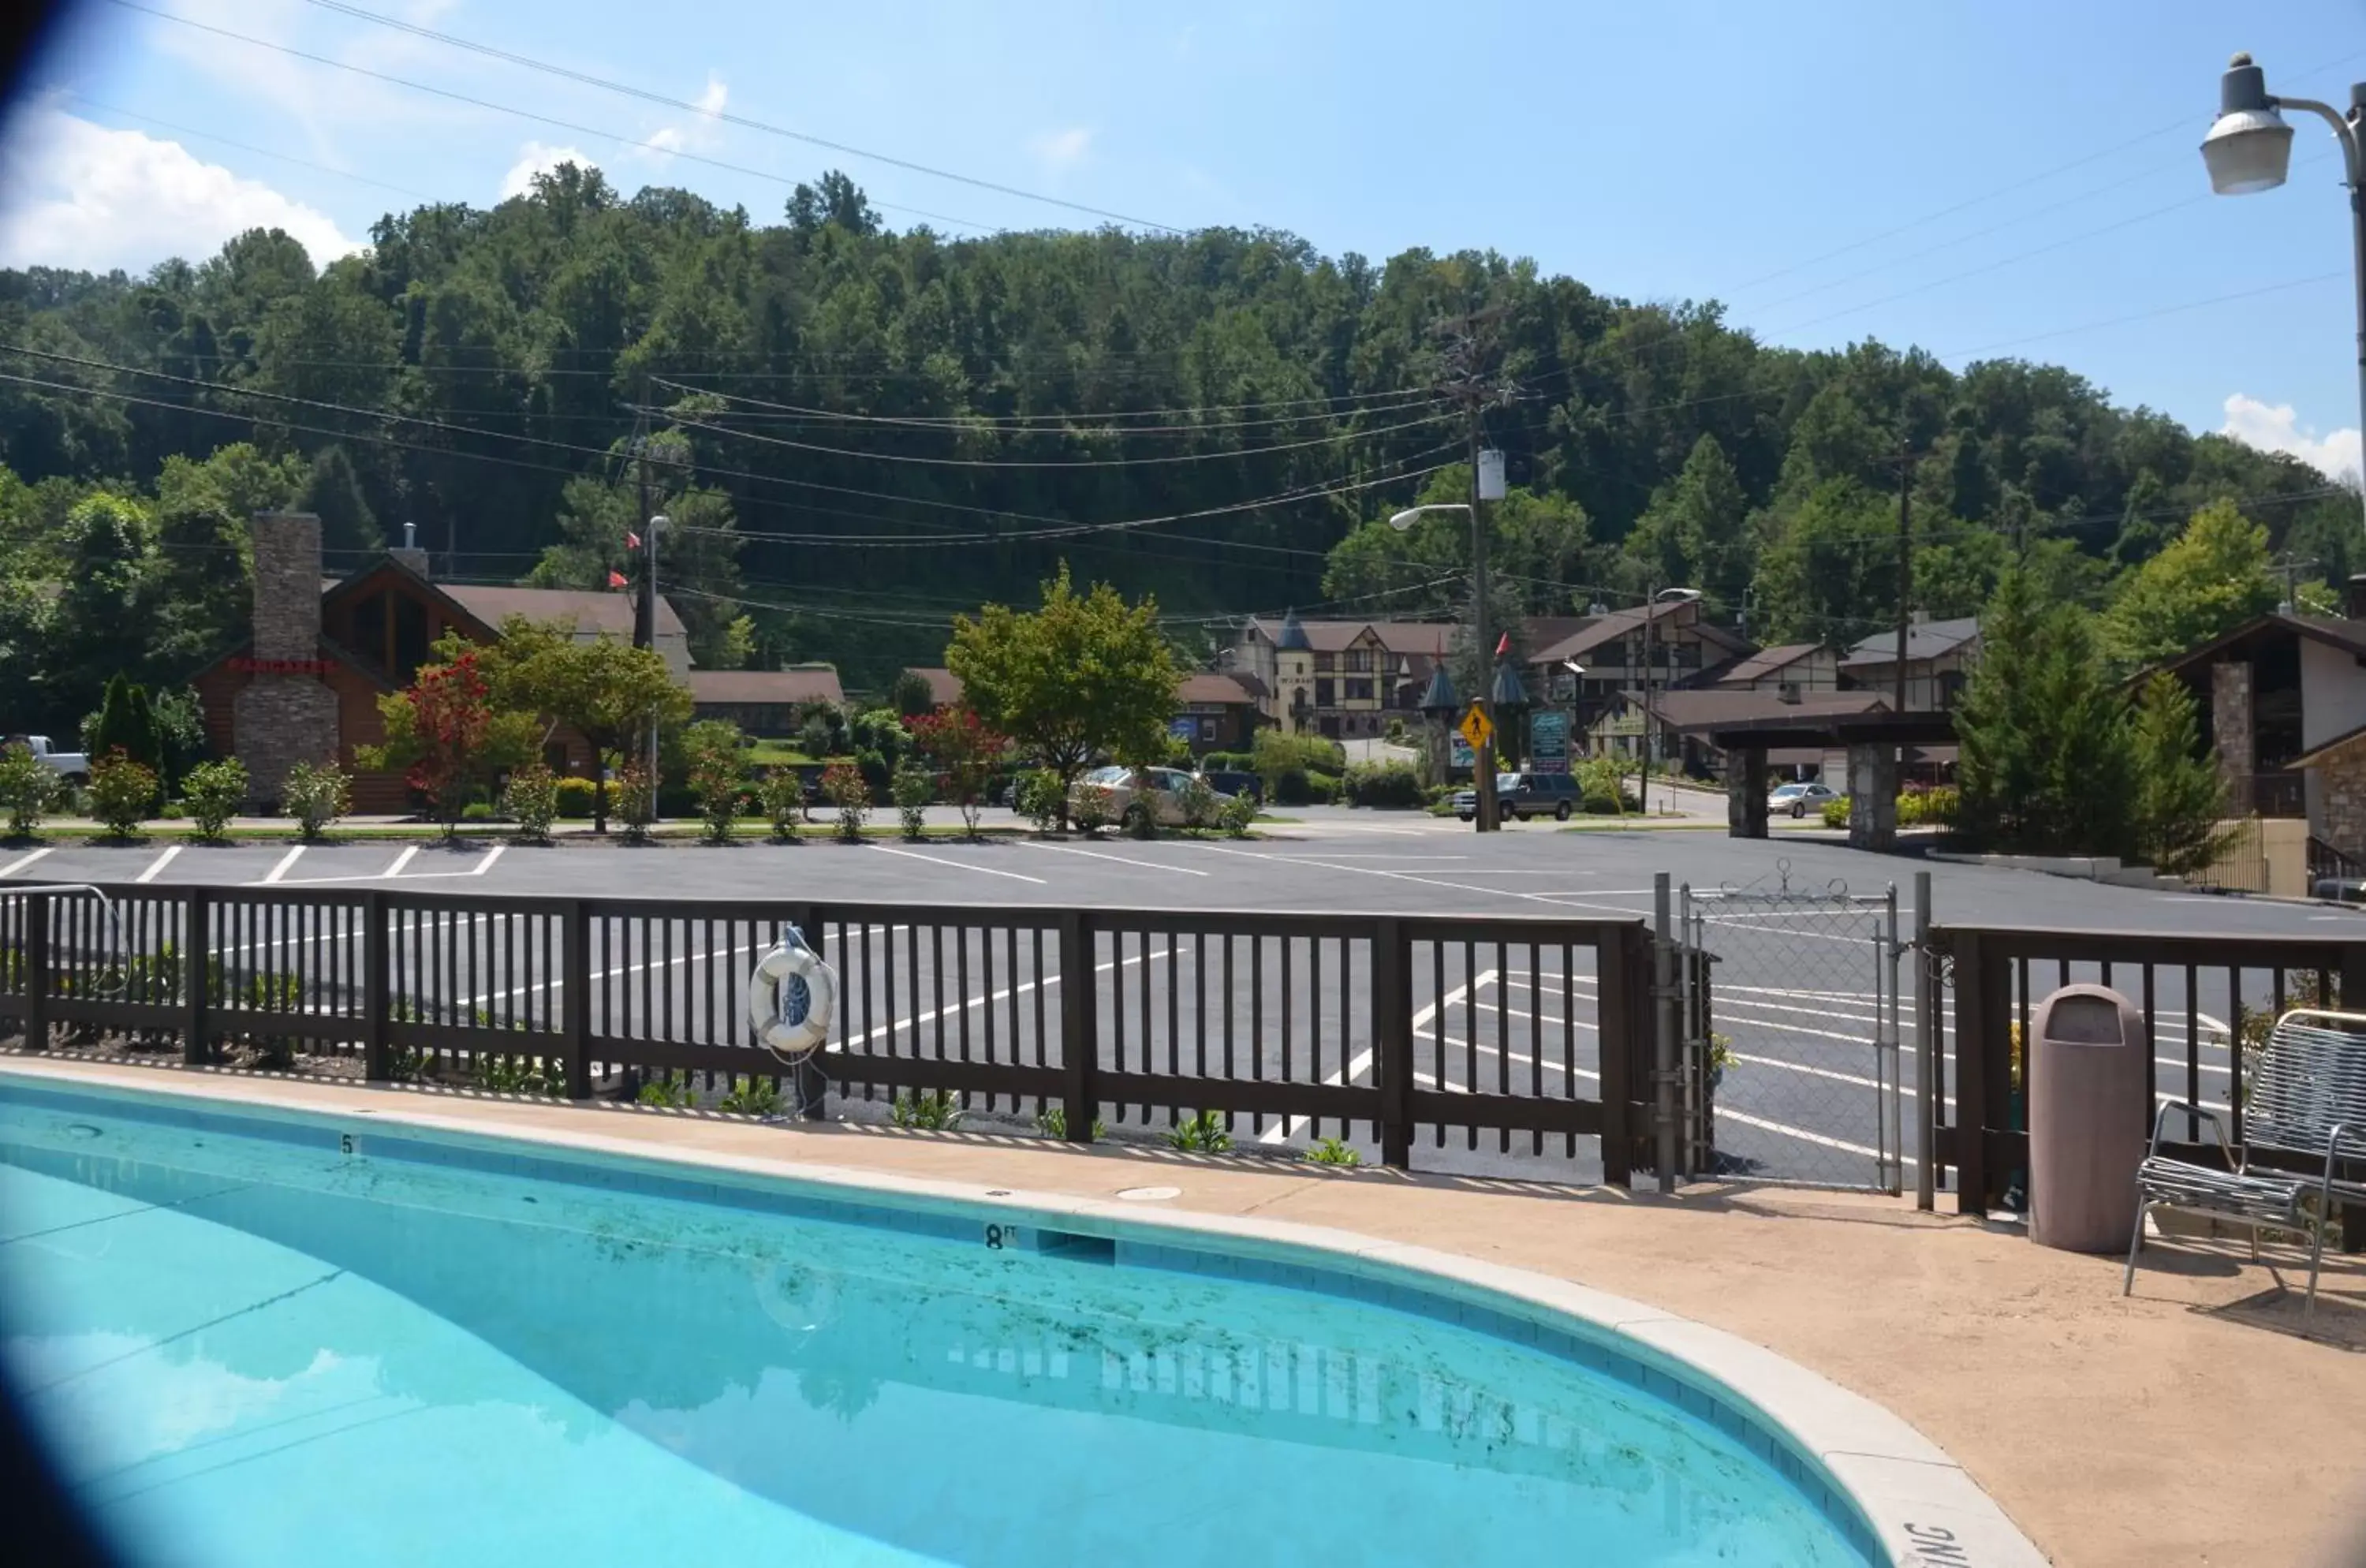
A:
(1994, 180)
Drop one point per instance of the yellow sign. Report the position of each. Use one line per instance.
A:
(1476, 729)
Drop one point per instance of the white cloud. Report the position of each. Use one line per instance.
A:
(700, 133)
(80, 195)
(536, 158)
(1062, 148)
(2275, 428)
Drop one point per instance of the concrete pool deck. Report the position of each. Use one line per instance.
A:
(2190, 1424)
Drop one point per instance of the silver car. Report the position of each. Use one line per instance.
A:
(1798, 799)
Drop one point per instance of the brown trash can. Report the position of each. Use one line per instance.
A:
(2089, 1118)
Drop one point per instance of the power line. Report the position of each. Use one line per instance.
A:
(245, 146)
(546, 67)
(1165, 458)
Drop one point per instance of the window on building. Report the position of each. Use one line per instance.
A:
(409, 637)
(369, 629)
(1358, 659)
(1326, 662)
(1359, 691)
(1326, 692)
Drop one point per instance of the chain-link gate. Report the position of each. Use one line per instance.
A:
(1790, 1016)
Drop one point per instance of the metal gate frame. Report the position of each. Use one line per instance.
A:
(1695, 1112)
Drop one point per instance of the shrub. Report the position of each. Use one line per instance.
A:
(878, 773)
(316, 795)
(636, 800)
(1836, 811)
(530, 799)
(1387, 784)
(122, 792)
(1201, 1134)
(1333, 1151)
(1928, 807)
(752, 1097)
(914, 788)
(718, 769)
(575, 797)
(1197, 799)
(1039, 798)
(1322, 788)
(1053, 1123)
(1227, 763)
(1235, 815)
(213, 792)
(666, 1091)
(477, 811)
(1602, 787)
(781, 793)
(844, 788)
(1092, 812)
(934, 1112)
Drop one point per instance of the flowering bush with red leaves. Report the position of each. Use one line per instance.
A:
(967, 754)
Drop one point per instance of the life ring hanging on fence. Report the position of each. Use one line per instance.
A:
(791, 995)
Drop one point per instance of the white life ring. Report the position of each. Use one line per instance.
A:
(791, 995)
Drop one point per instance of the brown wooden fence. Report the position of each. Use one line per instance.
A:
(1289, 1027)
(2203, 999)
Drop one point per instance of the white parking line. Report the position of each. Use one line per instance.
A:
(960, 865)
(280, 870)
(1282, 1132)
(402, 860)
(1121, 859)
(14, 866)
(1333, 863)
(159, 863)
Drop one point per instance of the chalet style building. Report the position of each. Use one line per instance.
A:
(306, 687)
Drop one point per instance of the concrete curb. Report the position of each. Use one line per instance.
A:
(1923, 1506)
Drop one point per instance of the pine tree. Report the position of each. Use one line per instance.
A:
(2178, 797)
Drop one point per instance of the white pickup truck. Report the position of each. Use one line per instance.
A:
(72, 766)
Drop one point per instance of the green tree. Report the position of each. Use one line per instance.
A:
(123, 724)
(606, 689)
(334, 492)
(2044, 765)
(2210, 579)
(910, 694)
(1083, 676)
(2178, 797)
(1829, 569)
(451, 737)
(1691, 533)
(103, 602)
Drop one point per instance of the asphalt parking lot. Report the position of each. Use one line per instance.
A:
(1800, 988)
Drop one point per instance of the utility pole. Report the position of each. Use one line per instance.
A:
(1651, 702)
(1905, 561)
(2291, 566)
(1464, 383)
(644, 614)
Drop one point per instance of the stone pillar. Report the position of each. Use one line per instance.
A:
(281, 717)
(1872, 796)
(2231, 733)
(1745, 791)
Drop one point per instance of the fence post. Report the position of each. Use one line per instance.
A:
(377, 991)
(1971, 1123)
(1663, 1036)
(1079, 1025)
(575, 997)
(812, 1083)
(196, 975)
(1392, 1040)
(37, 971)
(1926, 1049)
(1614, 969)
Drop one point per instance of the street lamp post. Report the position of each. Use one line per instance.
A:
(2249, 149)
(1482, 758)
(1650, 668)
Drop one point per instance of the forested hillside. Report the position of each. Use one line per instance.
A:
(881, 428)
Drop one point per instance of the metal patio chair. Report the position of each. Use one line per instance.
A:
(2308, 1101)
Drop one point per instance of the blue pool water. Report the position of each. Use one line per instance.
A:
(251, 1348)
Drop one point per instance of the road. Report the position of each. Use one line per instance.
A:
(1799, 983)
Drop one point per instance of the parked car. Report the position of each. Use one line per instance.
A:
(72, 766)
(1225, 782)
(1798, 799)
(1162, 799)
(1522, 795)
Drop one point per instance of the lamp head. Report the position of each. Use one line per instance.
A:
(1405, 519)
(2249, 146)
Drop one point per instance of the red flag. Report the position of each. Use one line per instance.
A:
(1503, 645)
(632, 540)
(616, 579)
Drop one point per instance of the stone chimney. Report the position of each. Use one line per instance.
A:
(409, 554)
(284, 715)
(2353, 601)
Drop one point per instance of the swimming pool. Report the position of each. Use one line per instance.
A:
(265, 1338)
